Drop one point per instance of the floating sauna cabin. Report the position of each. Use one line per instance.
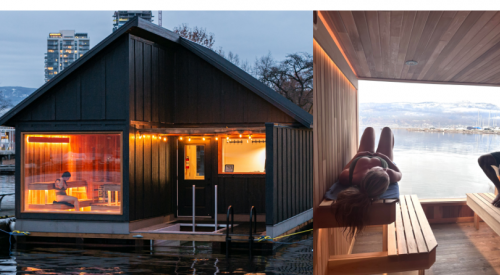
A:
(142, 118)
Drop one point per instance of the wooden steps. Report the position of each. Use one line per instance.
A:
(381, 212)
(480, 203)
(409, 244)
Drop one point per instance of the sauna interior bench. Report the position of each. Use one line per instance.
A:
(408, 244)
(480, 203)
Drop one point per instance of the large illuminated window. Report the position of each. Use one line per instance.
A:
(242, 156)
(72, 173)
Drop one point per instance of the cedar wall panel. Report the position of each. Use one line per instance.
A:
(335, 142)
(95, 91)
(289, 172)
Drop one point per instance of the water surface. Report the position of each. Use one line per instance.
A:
(441, 165)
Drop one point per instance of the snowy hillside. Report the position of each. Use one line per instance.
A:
(436, 114)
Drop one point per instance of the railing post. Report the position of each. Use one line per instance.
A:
(215, 214)
(194, 212)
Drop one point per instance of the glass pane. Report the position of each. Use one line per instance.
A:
(194, 164)
(75, 173)
(244, 155)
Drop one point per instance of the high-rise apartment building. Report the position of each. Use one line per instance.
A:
(122, 17)
(63, 48)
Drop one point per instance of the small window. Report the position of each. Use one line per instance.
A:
(194, 163)
(242, 156)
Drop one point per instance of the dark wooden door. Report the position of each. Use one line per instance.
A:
(195, 169)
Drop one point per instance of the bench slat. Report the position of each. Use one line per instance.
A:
(485, 202)
(421, 245)
(424, 224)
(391, 240)
(482, 207)
(410, 238)
(401, 240)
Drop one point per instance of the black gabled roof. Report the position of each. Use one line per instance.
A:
(206, 54)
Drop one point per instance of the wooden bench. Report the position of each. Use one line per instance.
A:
(480, 203)
(58, 206)
(381, 212)
(408, 244)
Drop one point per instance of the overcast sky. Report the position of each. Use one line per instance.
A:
(250, 34)
(385, 92)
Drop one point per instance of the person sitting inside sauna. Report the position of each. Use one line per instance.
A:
(367, 176)
(62, 198)
(490, 164)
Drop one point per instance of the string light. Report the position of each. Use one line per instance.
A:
(180, 138)
(165, 139)
(189, 139)
(144, 136)
(227, 138)
(203, 138)
(216, 138)
(241, 135)
(249, 136)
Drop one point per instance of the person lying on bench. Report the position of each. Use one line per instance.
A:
(368, 174)
(60, 185)
(487, 162)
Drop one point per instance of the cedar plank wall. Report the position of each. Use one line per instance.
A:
(289, 172)
(335, 142)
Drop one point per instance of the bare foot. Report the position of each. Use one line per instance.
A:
(496, 201)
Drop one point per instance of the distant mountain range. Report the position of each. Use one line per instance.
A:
(396, 114)
(16, 94)
(404, 114)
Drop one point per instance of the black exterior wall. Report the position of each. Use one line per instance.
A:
(144, 77)
(289, 176)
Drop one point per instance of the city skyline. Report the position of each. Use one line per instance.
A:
(22, 48)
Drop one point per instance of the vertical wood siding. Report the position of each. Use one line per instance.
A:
(173, 85)
(151, 177)
(289, 172)
(335, 142)
(96, 91)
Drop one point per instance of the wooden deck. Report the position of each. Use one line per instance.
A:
(462, 250)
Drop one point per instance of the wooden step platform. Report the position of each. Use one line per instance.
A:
(381, 212)
(409, 244)
(480, 203)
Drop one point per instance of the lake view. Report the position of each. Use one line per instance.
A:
(441, 165)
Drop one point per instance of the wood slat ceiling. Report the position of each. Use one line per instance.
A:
(449, 46)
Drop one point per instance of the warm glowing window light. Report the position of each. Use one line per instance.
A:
(48, 139)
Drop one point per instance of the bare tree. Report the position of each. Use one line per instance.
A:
(197, 35)
(292, 77)
(202, 37)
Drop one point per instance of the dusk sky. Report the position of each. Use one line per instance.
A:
(250, 34)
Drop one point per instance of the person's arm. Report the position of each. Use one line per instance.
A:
(344, 177)
(389, 162)
(359, 154)
(394, 176)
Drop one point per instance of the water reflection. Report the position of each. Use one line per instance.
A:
(442, 165)
(293, 258)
